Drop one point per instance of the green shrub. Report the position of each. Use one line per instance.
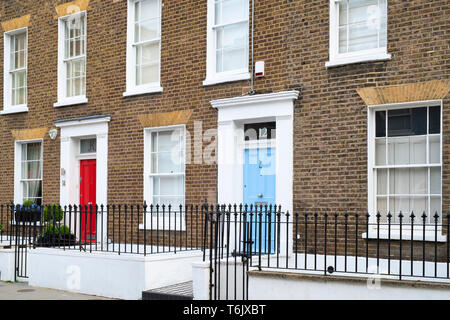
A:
(51, 231)
(1, 228)
(55, 210)
(64, 230)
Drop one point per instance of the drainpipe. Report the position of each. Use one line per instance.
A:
(252, 90)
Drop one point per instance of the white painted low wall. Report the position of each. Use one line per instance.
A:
(108, 274)
(7, 264)
(279, 285)
(200, 280)
(234, 274)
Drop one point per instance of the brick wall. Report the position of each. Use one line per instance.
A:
(291, 36)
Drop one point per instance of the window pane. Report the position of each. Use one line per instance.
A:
(408, 181)
(149, 9)
(380, 152)
(33, 191)
(88, 145)
(166, 141)
(21, 93)
(435, 149)
(435, 180)
(137, 11)
(435, 120)
(149, 29)
(169, 162)
(343, 39)
(231, 49)
(173, 201)
(407, 150)
(382, 181)
(147, 59)
(362, 36)
(435, 207)
(407, 122)
(154, 141)
(76, 75)
(168, 186)
(399, 204)
(362, 25)
(380, 123)
(31, 170)
(227, 11)
(150, 73)
(382, 206)
(33, 151)
(418, 205)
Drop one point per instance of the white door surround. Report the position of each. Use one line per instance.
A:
(233, 113)
(71, 132)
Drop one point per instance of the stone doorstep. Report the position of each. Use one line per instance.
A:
(179, 291)
(337, 278)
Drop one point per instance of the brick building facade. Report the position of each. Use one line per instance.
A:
(329, 98)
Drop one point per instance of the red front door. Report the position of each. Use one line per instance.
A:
(87, 198)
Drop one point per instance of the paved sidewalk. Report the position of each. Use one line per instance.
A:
(21, 291)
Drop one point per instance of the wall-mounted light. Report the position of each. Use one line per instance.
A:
(53, 133)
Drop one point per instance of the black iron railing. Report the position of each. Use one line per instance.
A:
(135, 229)
(357, 244)
(413, 247)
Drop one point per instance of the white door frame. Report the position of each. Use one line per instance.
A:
(233, 113)
(71, 132)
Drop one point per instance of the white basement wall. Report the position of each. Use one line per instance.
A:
(7, 265)
(108, 274)
(279, 285)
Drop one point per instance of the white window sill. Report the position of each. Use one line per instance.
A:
(71, 101)
(145, 90)
(358, 59)
(406, 235)
(15, 109)
(172, 224)
(226, 78)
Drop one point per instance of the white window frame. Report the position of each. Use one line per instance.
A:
(406, 227)
(152, 220)
(213, 77)
(338, 59)
(8, 108)
(18, 189)
(63, 100)
(131, 88)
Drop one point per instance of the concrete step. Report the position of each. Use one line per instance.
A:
(179, 291)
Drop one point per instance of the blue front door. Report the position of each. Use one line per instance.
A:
(259, 190)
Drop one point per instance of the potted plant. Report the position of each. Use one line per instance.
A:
(67, 238)
(53, 213)
(56, 236)
(27, 212)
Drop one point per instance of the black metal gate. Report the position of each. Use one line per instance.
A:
(230, 237)
(26, 222)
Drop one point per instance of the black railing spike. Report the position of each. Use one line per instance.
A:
(436, 216)
(412, 216)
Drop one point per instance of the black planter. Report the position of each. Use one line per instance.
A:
(27, 216)
(56, 241)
